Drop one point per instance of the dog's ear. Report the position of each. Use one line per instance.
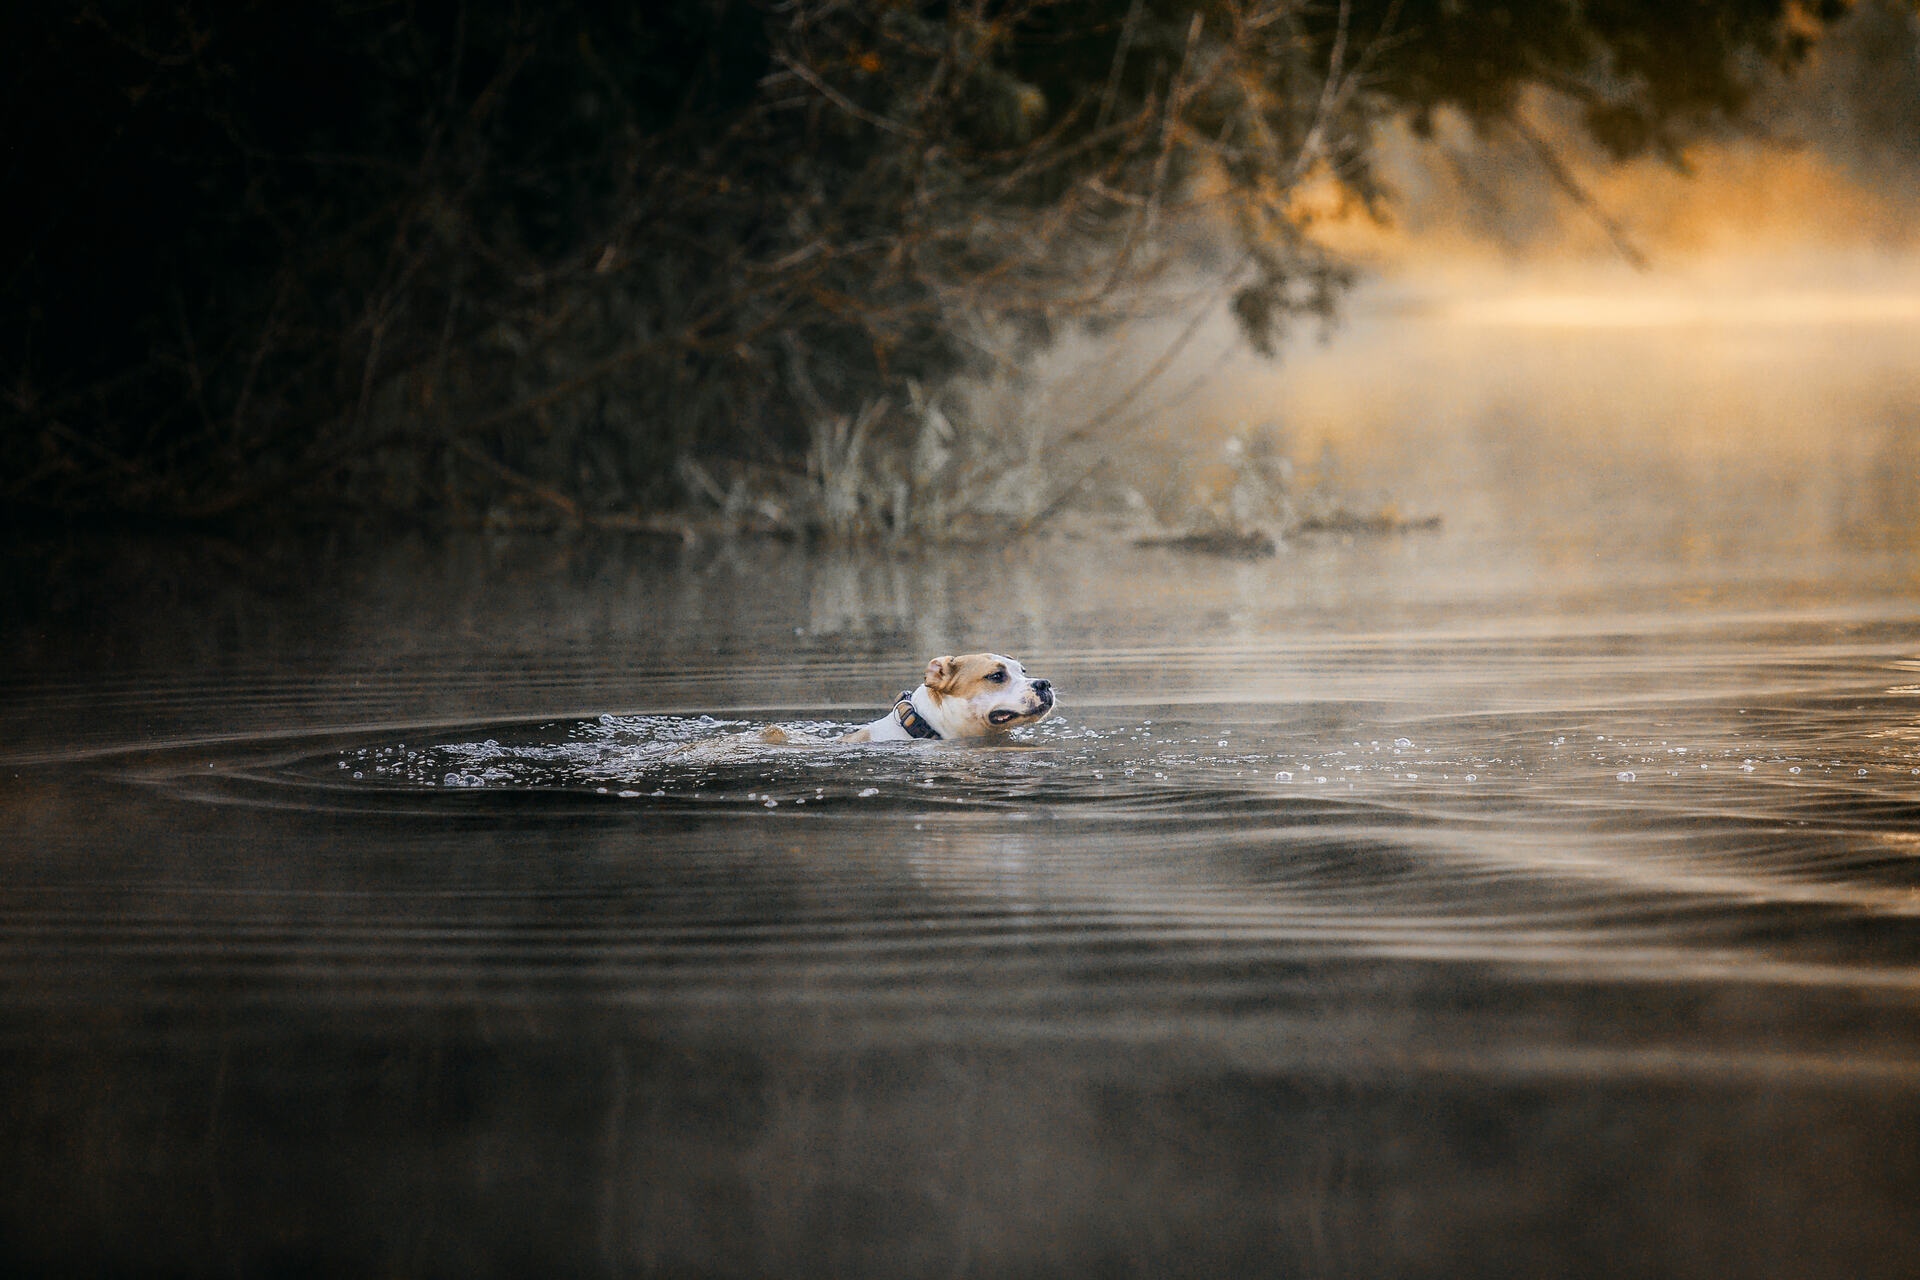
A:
(941, 673)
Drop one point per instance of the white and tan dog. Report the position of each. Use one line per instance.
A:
(975, 695)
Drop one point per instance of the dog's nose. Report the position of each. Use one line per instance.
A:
(1043, 686)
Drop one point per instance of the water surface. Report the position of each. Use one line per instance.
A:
(1492, 901)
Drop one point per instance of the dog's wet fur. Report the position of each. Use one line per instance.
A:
(978, 696)
(972, 695)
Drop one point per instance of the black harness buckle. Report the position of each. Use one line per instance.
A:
(911, 720)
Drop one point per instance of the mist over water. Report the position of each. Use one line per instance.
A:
(1537, 895)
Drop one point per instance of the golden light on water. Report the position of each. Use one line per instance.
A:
(1658, 307)
(1686, 353)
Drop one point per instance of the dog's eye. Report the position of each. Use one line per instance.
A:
(998, 677)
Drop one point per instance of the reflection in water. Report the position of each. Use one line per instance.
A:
(1465, 903)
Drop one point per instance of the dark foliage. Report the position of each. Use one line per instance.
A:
(430, 255)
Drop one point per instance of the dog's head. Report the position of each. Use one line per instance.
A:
(985, 693)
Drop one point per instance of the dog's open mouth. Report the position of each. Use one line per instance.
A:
(1005, 715)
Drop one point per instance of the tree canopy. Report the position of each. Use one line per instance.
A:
(418, 254)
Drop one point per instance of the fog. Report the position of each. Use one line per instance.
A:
(1713, 347)
(1495, 857)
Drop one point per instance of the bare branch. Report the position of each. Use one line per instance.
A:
(842, 101)
(1563, 178)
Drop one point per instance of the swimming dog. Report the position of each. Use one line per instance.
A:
(975, 695)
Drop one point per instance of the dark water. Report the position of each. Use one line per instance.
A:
(1492, 902)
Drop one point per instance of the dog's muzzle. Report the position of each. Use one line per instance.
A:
(1042, 688)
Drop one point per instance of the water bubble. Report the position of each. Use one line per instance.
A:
(869, 791)
(771, 803)
(1413, 777)
(1403, 742)
(1625, 775)
(629, 795)
(1284, 776)
(1793, 768)
(1473, 777)
(1859, 773)
(1747, 767)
